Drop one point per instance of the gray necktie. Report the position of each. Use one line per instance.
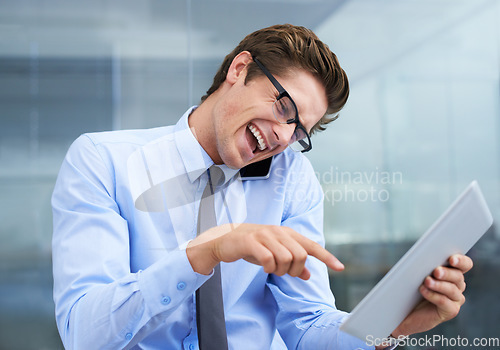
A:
(209, 307)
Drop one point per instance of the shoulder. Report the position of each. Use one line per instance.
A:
(108, 152)
(137, 137)
(117, 143)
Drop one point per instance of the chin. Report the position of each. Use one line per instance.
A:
(234, 166)
(233, 161)
(236, 160)
(239, 162)
(260, 157)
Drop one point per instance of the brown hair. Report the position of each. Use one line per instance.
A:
(284, 47)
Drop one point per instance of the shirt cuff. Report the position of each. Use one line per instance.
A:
(168, 282)
(184, 245)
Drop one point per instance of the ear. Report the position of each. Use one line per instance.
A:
(237, 70)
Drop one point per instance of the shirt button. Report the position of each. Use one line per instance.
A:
(165, 300)
(191, 347)
(128, 336)
(181, 285)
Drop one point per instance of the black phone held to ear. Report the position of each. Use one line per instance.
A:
(257, 171)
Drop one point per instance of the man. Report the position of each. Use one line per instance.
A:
(127, 252)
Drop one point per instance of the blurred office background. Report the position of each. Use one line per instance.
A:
(423, 120)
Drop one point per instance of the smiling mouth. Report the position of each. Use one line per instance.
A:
(261, 145)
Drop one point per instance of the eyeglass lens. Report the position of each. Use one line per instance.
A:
(284, 111)
(299, 141)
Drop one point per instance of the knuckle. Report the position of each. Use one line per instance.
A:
(259, 234)
(277, 230)
(267, 258)
(301, 256)
(441, 301)
(285, 258)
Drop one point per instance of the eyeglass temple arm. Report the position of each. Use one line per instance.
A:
(268, 74)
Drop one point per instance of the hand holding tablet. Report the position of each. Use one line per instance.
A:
(395, 296)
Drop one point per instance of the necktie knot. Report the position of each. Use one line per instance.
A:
(217, 177)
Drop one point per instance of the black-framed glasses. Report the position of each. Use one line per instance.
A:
(285, 111)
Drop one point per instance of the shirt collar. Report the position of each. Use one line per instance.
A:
(196, 160)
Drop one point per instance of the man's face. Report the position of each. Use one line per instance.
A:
(246, 130)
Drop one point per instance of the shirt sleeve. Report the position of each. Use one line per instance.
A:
(99, 303)
(307, 317)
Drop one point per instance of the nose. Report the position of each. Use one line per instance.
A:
(283, 133)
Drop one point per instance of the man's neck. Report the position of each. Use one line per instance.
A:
(201, 123)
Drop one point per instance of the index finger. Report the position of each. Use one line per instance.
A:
(461, 262)
(314, 249)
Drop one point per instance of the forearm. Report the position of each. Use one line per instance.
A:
(103, 317)
(121, 313)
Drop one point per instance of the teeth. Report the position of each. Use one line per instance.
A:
(256, 133)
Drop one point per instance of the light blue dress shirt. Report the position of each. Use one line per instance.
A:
(125, 206)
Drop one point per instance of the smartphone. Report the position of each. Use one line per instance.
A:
(257, 171)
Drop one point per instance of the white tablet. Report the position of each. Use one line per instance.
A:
(392, 299)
